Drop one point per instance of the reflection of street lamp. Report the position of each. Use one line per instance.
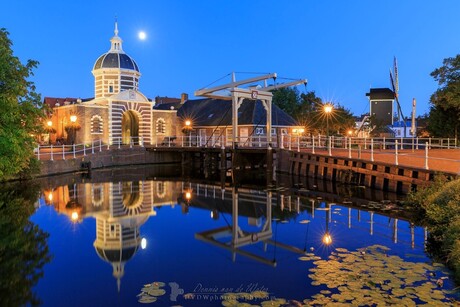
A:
(327, 239)
(73, 119)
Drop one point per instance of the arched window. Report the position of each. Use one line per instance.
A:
(96, 125)
(161, 190)
(97, 193)
(160, 126)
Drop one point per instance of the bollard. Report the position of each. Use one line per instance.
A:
(372, 150)
(73, 145)
(330, 147)
(396, 152)
(349, 148)
(313, 145)
(426, 155)
(51, 152)
(63, 152)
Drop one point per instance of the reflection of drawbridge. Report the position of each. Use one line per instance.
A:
(233, 238)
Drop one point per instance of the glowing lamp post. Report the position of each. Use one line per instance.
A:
(188, 130)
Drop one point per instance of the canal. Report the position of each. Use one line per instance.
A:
(160, 236)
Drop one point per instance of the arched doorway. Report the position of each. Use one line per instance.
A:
(130, 127)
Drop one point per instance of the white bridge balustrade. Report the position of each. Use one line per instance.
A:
(418, 152)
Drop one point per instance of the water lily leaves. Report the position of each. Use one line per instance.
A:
(147, 299)
(156, 292)
(371, 276)
(273, 303)
(259, 294)
(150, 292)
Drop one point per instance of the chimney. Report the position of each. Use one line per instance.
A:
(183, 97)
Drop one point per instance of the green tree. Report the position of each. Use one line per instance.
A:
(22, 111)
(444, 116)
(287, 99)
(23, 245)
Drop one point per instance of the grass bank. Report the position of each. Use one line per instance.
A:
(439, 208)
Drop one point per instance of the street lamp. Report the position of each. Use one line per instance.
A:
(327, 110)
(73, 118)
(50, 130)
(188, 128)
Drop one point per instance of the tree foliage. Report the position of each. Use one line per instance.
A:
(22, 112)
(308, 110)
(23, 245)
(444, 116)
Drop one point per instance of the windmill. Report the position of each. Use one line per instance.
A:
(395, 87)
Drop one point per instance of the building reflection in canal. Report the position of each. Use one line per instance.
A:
(120, 209)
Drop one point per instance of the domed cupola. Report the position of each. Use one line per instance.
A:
(115, 71)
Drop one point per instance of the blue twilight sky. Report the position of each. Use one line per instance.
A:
(342, 47)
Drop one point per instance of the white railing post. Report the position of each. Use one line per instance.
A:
(429, 143)
(130, 142)
(349, 148)
(38, 152)
(313, 145)
(100, 145)
(282, 141)
(372, 150)
(329, 149)
(84, 149)
(402, 143)
(448, 143)
(396, 152)
(92, 146)
(73, 146)
(290, 141)
(119, 143)
(384, 145)
(416, 143)
(365, 143)
(182, 138)
(298, 143)
(63, 152)
(426, 155)
(51, 152)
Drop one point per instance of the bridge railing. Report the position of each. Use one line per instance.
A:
(416, 152)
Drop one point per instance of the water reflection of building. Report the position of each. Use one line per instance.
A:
(120, 209)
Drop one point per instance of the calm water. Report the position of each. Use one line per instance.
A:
(133, 235)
